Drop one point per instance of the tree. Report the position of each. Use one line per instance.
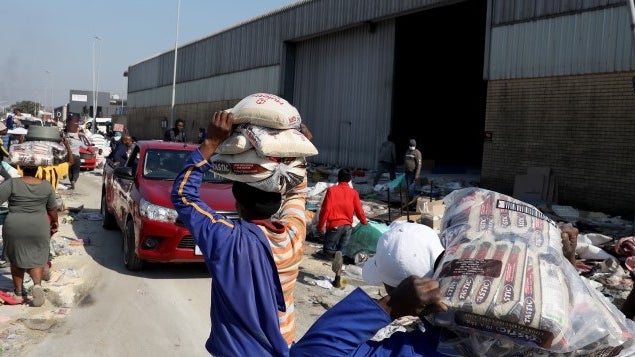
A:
(27, 106)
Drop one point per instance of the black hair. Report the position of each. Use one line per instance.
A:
(29, 170)
(344, 175)
(255, 203)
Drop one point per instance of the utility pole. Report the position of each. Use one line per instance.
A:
(176, 48)
(94, 126)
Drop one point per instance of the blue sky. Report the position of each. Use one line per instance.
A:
(57, 36)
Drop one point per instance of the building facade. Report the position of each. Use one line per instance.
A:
(501, 85)
(81, 102)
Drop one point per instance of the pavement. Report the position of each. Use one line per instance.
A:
(72, 274)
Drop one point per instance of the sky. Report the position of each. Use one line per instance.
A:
(46, 47)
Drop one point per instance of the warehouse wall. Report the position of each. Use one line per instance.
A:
(581, 126)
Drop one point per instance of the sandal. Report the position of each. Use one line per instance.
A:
(11, 298)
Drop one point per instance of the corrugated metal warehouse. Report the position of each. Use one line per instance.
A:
(497, 85)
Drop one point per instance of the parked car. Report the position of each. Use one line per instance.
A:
(136, 199)
(87, 154)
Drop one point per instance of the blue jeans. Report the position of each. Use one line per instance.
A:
(337, 238)
(384, 167)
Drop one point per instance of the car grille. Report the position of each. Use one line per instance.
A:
(86, 156)
(186, 243)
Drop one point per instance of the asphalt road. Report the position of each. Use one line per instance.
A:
(161, 311)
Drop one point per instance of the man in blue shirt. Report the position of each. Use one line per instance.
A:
(248, 309)
(119, 155)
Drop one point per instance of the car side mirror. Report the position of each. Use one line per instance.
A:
(124, 173)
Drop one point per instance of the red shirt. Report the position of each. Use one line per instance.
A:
(340, 202)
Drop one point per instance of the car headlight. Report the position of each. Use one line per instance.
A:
(156, 212)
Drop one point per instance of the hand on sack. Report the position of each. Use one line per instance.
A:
(414, 297)
(220, 126)
(569, 235)
(218, 130)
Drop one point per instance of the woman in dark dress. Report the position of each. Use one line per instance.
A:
(27, 229)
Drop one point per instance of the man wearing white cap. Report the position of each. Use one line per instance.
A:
(406, 251)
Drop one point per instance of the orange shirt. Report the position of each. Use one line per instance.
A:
(286, 237)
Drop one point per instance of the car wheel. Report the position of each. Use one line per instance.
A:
(108, 221)
(130, 258)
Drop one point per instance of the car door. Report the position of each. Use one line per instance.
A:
(122, 197)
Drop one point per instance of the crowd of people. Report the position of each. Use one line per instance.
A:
(255, 260)
(254, 315)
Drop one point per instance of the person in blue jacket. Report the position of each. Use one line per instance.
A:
(251, 314)
(404, 263)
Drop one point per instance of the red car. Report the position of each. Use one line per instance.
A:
(87, 154)
(136, 198)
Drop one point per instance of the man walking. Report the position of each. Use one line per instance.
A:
(254, 261)
(412, 165)
(341, 201)
(387, 160)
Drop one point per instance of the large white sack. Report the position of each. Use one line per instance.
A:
(278, 142)
(509, 288)
(266, 173)
(235, 144)
(266, 110)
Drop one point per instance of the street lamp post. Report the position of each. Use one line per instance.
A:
(94, 126)
(176, 47)
(50, 84)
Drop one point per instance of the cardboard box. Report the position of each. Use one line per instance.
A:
(528, 187)
(433, 222)
(434, 208)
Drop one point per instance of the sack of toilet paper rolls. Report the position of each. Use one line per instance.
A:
(267, 150)
(509, 288)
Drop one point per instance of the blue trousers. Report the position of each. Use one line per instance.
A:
(337, 238)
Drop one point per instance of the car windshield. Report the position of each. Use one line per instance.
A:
(161, 164)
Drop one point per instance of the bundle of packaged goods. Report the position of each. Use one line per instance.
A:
(267, 150)
(37, 153)
(509, 289)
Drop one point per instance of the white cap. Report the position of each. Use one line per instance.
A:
(405, 249)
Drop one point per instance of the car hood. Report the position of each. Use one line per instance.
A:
(217, 195)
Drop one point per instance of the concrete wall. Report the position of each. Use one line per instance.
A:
(582, 126)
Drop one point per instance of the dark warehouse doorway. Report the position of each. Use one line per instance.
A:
(439, 95)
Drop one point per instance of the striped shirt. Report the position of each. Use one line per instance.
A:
(286, 237)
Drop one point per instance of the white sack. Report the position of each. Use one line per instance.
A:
(235, 144)
(266, 110)
(279, 143)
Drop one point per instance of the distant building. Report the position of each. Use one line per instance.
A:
(81, 102)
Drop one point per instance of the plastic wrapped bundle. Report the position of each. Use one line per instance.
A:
(509, 288)
(37, 153)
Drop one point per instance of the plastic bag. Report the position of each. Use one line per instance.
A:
(510, 290)
(364, 238)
